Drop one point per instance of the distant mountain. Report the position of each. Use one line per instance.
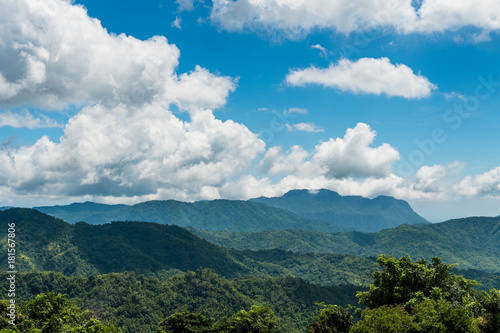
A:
(473, 243)
(353, 212)
(206, 215)
(320, 210)
(50, 244)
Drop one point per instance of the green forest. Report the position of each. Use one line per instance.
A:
(150, 277)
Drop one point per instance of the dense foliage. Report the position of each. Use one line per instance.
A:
(138, 304)
(154, 250)
(52, 313)
(207, 215)
(473, 243)
(412, 297)
(405, 297)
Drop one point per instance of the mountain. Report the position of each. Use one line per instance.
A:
(78, 212)
(320, 210)
(473, 243)
(50, 244)
(353, 212)
(207, 215)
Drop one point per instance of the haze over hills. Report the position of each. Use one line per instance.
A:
(321, 210)
(355, 212)
(473, 243)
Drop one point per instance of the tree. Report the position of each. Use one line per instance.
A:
(404, 281)
(332, 319)
(186, 322)
(53, 313)
(259, 319)
(489, 320)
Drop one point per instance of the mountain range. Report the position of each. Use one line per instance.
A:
(137, 273)
(50, 244)
(320, 210)
(473, 243)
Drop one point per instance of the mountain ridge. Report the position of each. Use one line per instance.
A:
(321, 210)
(356, 212)
(472, 242)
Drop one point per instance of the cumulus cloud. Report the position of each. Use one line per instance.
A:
(441, 15)
(26, 120)
(125, 141)
(351, 155)
(296, 18)
(113, 152)
(366, 75)
(54, 54)
(486, 184)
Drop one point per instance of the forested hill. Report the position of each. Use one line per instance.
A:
(473, 243)
(207, 215)
(50, 244)
(355, 212)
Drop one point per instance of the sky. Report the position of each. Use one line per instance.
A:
(124, 102)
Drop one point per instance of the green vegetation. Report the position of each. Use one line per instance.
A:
(322, 211)
(138, 304)
(153, 249)
(411, 297)
(52, 313)
(405, 296)
(473, 243)
(207, 215)
(148, 277)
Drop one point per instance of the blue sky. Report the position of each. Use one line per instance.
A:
(120, 102)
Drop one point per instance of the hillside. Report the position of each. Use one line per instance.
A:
(207, 215)
(158, 250)
(473, 243)
(138, 303)
(354, 212)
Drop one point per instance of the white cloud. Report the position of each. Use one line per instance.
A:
(322, 51)
(336, 158)
(366, 75)
(116, 152)
(304, 127)
(296, 110)
(54, 55)
(441, 15)
(296, 18)
(486, 184)
(26, 120)
(177, 23)
(125, 142)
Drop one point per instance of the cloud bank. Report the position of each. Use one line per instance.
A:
(297, 18)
